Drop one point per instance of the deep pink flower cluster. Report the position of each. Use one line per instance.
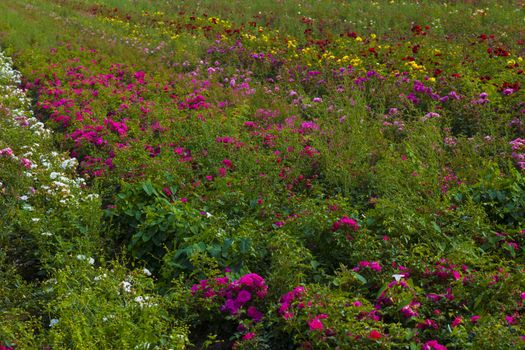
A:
(316, 323)
(287, 300)
(372, 265)
(294, 299)
(449, 180)
(347, 225)
(236, 296)
(433, 345)
(345, 221)
(445, 270)
(411, 310)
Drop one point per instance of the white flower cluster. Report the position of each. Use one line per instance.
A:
(127, 287)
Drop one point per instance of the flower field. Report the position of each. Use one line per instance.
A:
(262, 175)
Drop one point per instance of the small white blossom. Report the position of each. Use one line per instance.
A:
(126, 286)
(398, 277)
(98, 278)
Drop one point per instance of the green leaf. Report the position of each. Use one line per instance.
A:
(215, 251)
(314, 263)
(244, 245)
(147, 186)
(360, 278)
(227, 244)
(383, 288)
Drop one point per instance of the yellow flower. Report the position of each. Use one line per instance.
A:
(415, 66)
(355, 61)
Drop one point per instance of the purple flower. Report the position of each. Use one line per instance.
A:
(278, 224)
(454, 95)
(431, 115)
(408, 312)
(230, 306)
(254, 314)
(243, 297)
(309, 125)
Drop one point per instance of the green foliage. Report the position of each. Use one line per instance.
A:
(93, 307)
(368, 151)
(502, 197)
(153, 223)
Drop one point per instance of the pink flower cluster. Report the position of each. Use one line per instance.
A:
(372, 265)
(295, 299)
(288, 299)
(433, 345)
(6, 152)
(445, 271)
(346, 225)
(345, 222)
(316, 324)
(238, 295)
(518, 152)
